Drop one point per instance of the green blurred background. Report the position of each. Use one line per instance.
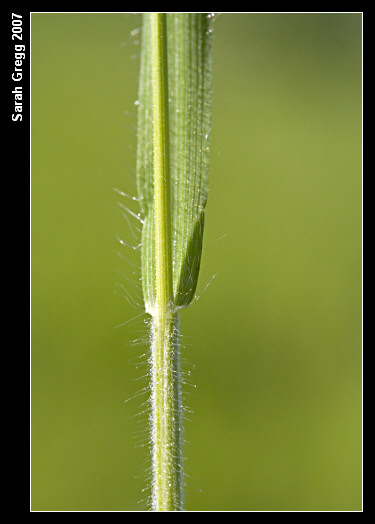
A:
(273, 347)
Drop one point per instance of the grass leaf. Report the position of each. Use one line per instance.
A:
(190, 99)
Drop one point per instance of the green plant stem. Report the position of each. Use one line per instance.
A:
(166, 403)
(172, 168)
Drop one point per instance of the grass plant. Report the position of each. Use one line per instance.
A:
(174, 112)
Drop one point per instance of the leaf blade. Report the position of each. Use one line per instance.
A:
(190, 103)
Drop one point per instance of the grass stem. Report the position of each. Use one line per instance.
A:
(174, 111)
(167, 467)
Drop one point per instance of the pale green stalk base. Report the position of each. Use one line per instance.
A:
(167, 489)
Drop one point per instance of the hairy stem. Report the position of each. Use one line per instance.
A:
(166, 431)
(167, 486)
